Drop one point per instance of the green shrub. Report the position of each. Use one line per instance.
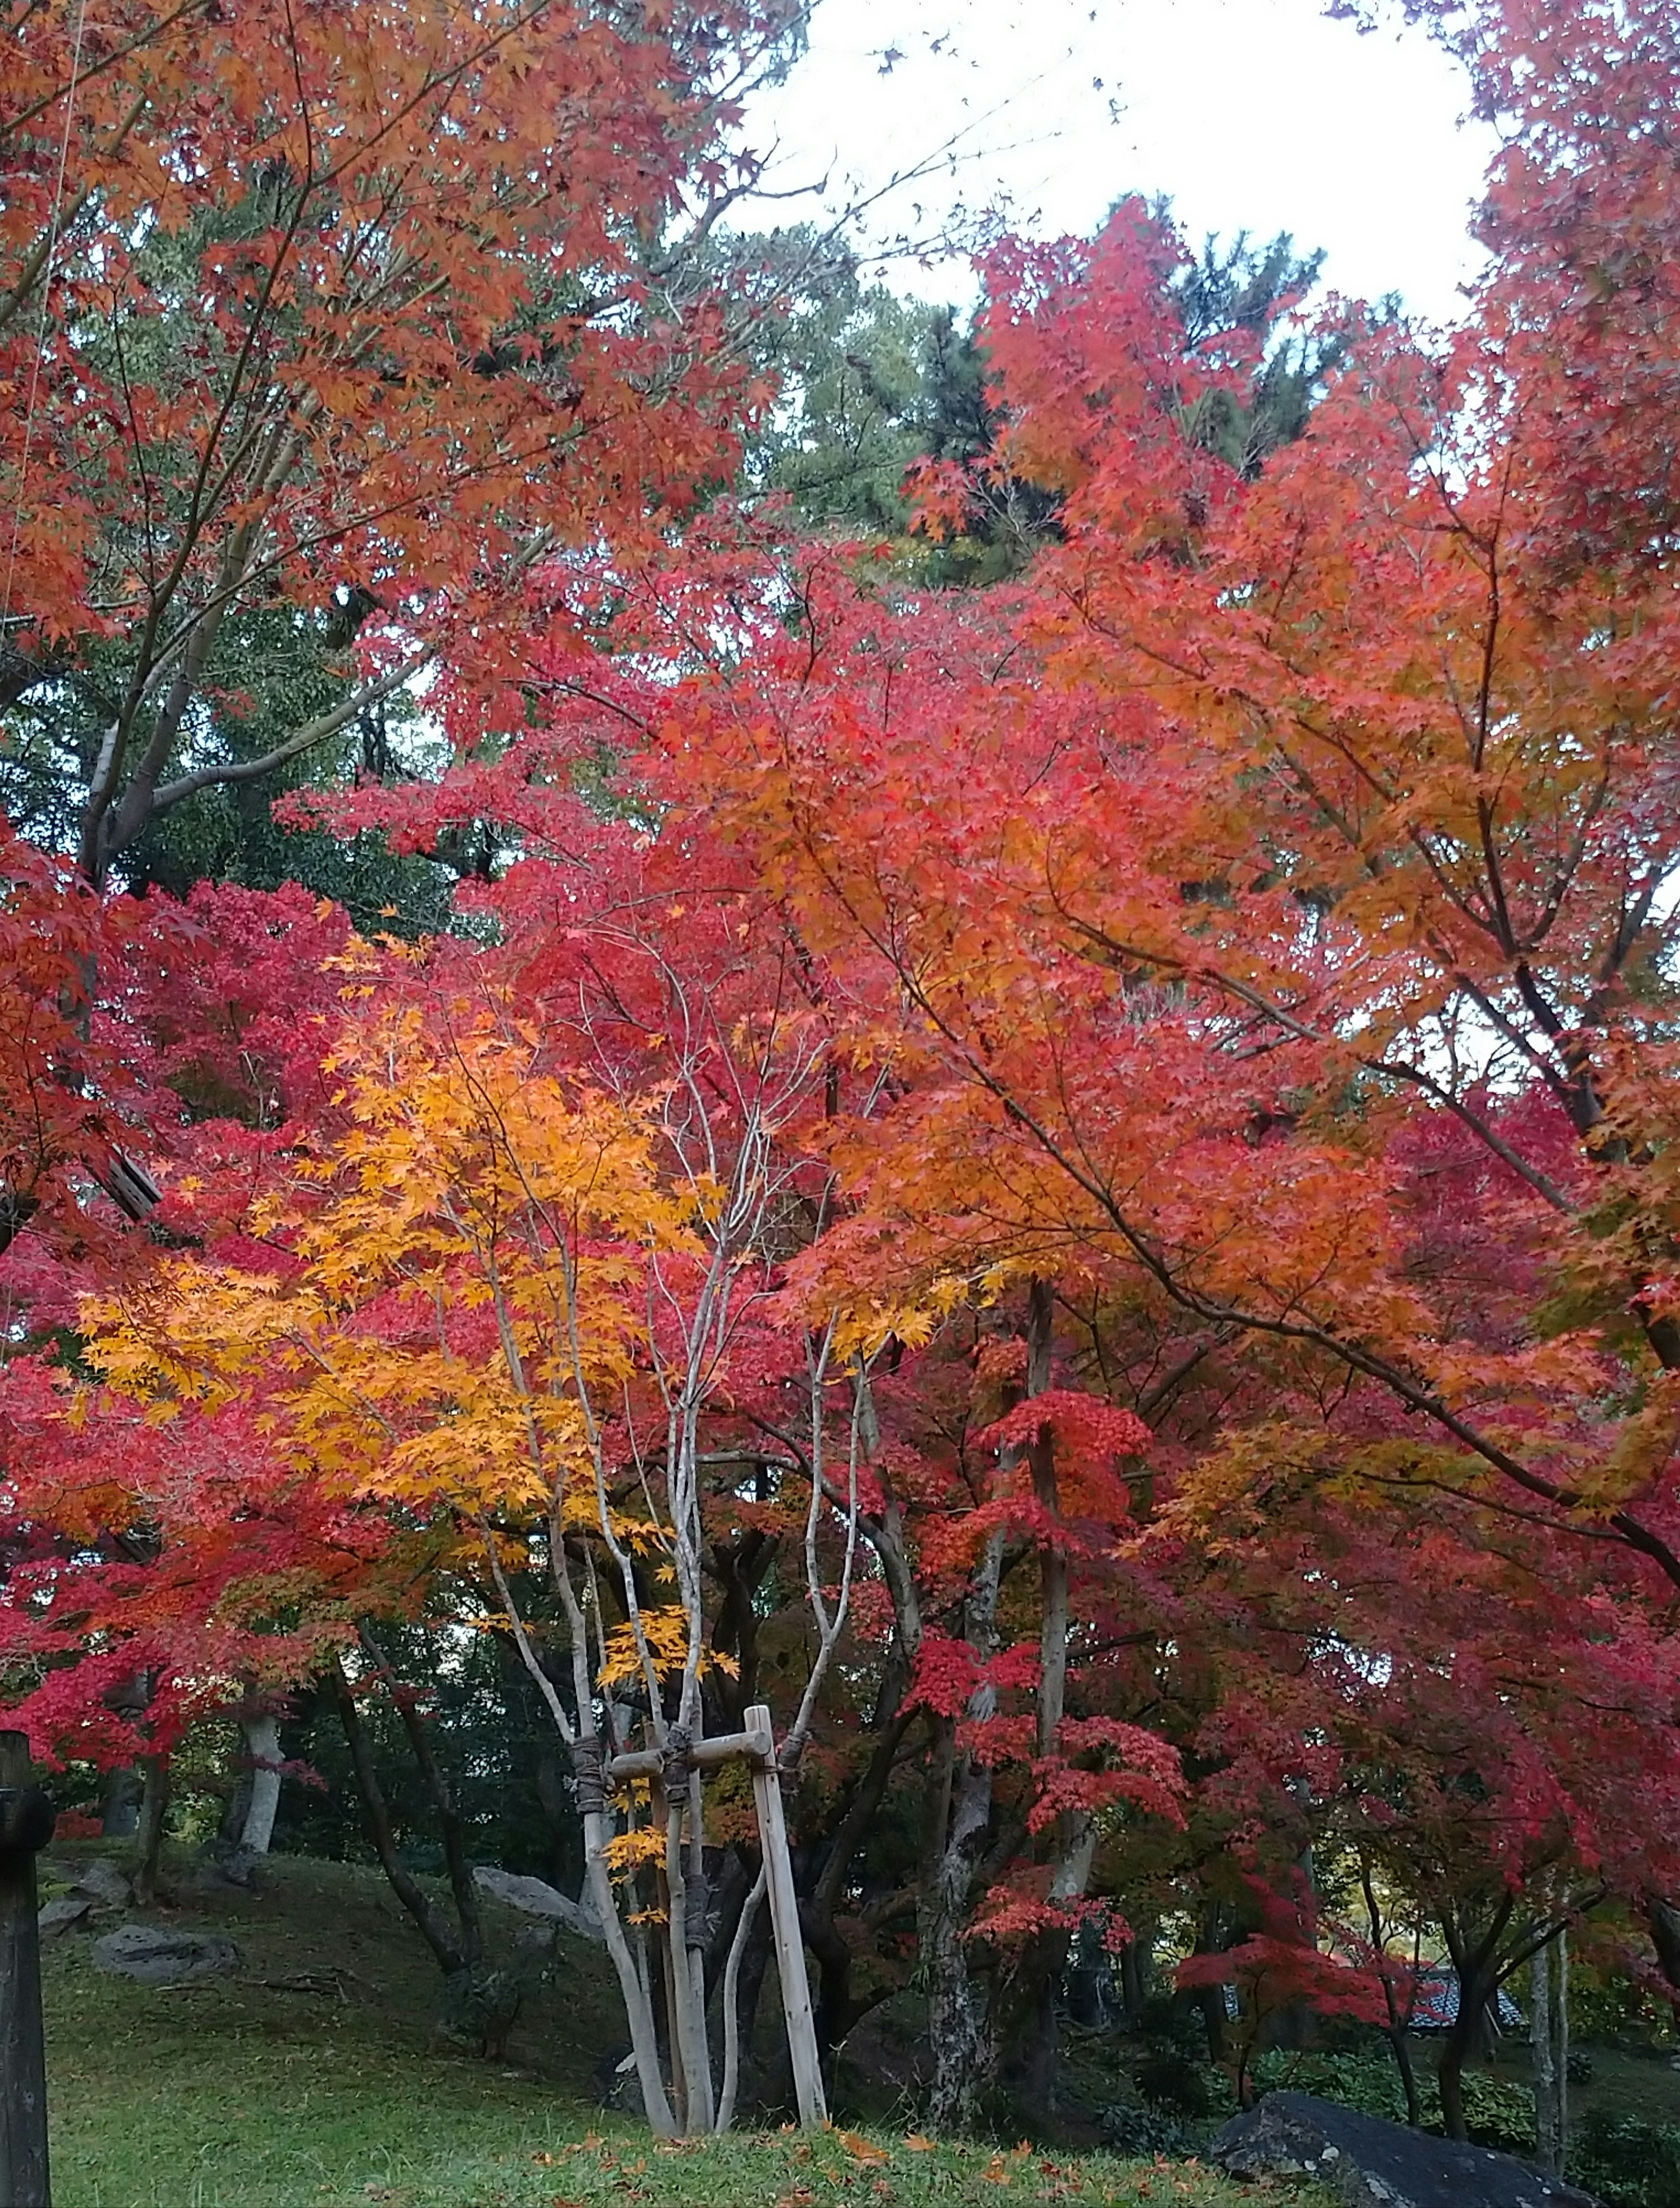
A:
(1627, 2160)
(1367, 2082)
(1140, 2127)
(1173, 2068)
(1497, 2112)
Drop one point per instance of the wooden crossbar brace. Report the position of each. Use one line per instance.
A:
(755, 1746)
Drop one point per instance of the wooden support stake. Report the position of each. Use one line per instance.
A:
(784, 1923)
(25, 1827)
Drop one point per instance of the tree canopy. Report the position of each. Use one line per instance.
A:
(970, 1032)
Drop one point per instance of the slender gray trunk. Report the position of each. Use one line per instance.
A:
(262, 1744)
(638, 2005)
(1549, 2038)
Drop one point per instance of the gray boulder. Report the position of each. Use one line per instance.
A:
(532, 1897)
(106, 1883)
(1369, 2164)
(157, 1957)
(58, 1915)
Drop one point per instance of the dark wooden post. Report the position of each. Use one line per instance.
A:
(25, 1827)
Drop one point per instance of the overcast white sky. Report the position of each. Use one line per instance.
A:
(1256, 114)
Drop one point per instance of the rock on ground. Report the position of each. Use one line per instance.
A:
(104, 1882)
(157, 1957)
(1370, 2164)
(534, 1898)
(56, 1917)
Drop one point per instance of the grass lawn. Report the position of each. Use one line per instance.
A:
(314, 2079)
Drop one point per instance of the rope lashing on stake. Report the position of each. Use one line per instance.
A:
(588, 1776)
(676, 1757)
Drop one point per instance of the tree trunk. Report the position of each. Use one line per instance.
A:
(462, 1884)
(1560, 2036)
(262, 1744)
(153, 1809)
(1399, 2047)
(1394, 2030)
(729, 1997)
(1549, 2038)
(1663, 1920)
(1038, 2047)
(1474, 1962)
(433, 1925)
(754, 1970)
(1460, 2042)
(834, 2012)
(964, 2028)
(955, 2016)
(1134, 1987)
(238, 1805)
(953, 2026)
(1450, 2076)
(1030, 2030)
(1026, 2025)
(1209, 2001)
(692, 2068)
(119, 1818)
(638, 2008)
(1463, 2036)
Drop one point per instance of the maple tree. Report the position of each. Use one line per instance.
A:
(151, 1583)
(304, 321)
(493, 1311)
(949, 1530)
(351, 314)
(472, 1201)
(1216, 831)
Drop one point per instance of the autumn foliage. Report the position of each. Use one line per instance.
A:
(1073, 1182)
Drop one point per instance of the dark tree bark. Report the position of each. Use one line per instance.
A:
(1134, 1981)
(434, 1928)
(1475, 1960)
(1663, 1920)
(26, 1826)
(119, 1817)
(441, 1797)
(153, 1810)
